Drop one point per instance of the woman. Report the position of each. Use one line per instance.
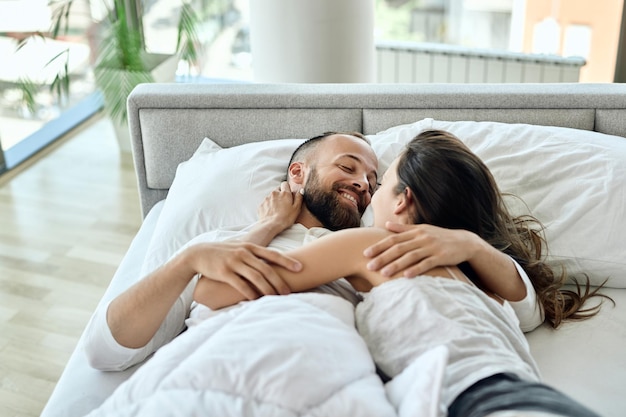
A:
(439, 182)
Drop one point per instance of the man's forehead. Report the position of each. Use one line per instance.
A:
(349, 146)
(369, 161)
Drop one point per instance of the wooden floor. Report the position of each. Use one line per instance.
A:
(66, 220)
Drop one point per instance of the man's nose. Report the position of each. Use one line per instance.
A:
(361, 182)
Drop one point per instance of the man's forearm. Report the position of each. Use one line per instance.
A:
(135, 315)
(263, 232)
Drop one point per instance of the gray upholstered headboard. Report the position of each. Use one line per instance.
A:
(169, 121)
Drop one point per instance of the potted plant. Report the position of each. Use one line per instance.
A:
(121, 60)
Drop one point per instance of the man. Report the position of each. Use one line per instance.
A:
(332, 178)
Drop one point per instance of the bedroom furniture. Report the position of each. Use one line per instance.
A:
(169, 122)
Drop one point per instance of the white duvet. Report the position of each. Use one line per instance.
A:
(298, 355)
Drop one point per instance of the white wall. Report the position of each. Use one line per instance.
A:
(312, 41)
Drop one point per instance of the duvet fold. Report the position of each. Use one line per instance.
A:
(296, 355)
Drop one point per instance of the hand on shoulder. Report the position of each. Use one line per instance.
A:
(417, 248)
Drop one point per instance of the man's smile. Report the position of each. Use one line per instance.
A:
(350, 198)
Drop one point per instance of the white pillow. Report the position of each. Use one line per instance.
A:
(217, 189)
(573, 181)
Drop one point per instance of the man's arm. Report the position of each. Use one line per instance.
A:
(135, 315)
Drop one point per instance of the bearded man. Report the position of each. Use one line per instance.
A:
(330, 182)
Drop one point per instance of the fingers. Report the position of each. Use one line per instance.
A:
(386, 244)
(297, 198)
(240, 285)
(410, 264)
(269, 275)
(251, 276)
(259, 277)
(397, 258)
(416, 270)
(296, 195)
(379, 247)
(245, 267)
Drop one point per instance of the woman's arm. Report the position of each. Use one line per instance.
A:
(338, 255)
(331, 257)
(414, 249)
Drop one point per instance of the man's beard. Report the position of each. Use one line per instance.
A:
(327, 207)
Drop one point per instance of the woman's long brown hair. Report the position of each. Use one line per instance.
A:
(454, 189)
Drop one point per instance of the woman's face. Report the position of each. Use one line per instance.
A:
(385, 199)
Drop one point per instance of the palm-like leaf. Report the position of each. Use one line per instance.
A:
(122, 46)
(188, 41)
(28, 89)
(120, 67)
(121, 49)
(61, 83)
(116, 84)
(61, 16)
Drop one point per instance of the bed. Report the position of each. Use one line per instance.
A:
(561, 147)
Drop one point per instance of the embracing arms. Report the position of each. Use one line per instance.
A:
(414, 249)
(136, 314)
(331, 257)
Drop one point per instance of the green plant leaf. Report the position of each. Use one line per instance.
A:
(188, 39)
(121, 46)
(120, 63)
(60, 16)
(116, 84)
(28, 88)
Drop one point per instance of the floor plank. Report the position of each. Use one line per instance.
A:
(66, 219)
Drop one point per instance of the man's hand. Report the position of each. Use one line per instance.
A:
(281, 207)
(418, 248)
(243, 266)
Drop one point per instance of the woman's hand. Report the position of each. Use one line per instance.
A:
(417, 248)
(281, 207)
(278, 211)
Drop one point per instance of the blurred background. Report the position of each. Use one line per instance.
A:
(414, 41)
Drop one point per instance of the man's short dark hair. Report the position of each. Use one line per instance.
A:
(310, 144)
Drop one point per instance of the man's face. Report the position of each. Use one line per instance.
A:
(341, 181)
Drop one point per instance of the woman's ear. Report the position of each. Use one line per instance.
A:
(296, 174)
(404, 203)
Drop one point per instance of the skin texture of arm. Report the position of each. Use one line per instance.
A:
(334, 256)
(414, 249)
(136, 314)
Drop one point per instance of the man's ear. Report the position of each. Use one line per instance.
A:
(296, 174)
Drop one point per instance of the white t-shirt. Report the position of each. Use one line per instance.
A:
(528, 311)
(405, 318)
